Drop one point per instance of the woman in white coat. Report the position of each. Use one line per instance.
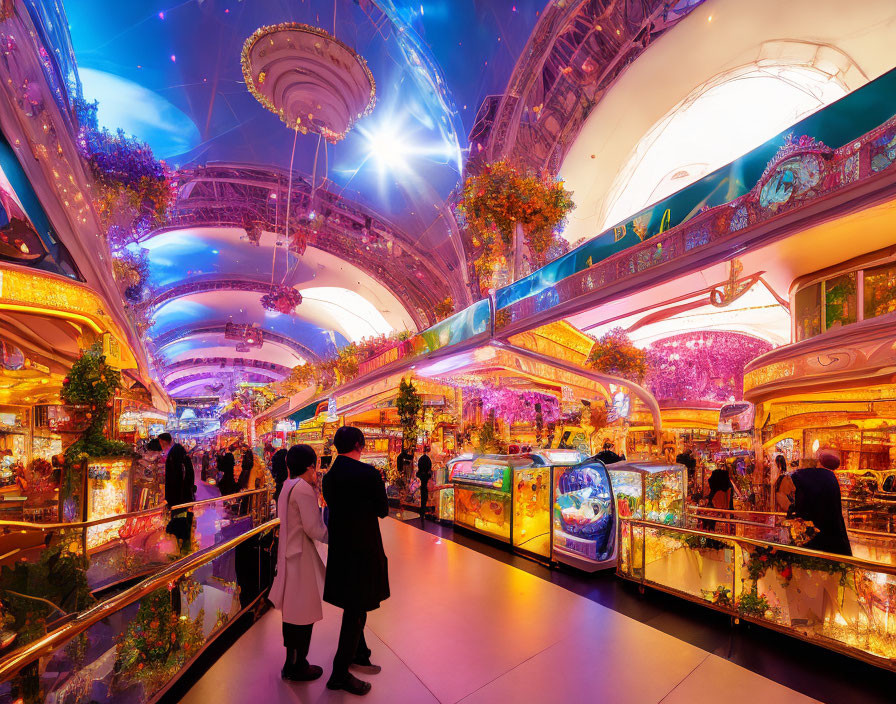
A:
(296, 591)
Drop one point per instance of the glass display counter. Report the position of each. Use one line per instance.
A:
(838, 602)
(654, 491)
(532, 510)
(108, 493)
(532, 488)
(482, 495)
(583, 516)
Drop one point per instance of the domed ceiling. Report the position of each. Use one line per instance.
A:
(382, 248)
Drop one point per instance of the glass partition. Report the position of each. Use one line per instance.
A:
(842, 603)
(48, 572)
(138, 645)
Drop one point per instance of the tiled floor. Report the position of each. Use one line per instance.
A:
(463, 627)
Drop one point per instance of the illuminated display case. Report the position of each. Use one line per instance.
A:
(108, 490)
(584, 516)
(532, 510)
(532, 499)
(446, 504)
(482, 496)
(652, 491)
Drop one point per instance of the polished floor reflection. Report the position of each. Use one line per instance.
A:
(462, 627)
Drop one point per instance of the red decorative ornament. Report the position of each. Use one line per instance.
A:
(282, 299)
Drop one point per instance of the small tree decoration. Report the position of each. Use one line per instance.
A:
(408, 404)
(490, 441)
(283, 299)
(614, 353)
(499, 198)
(92, 384)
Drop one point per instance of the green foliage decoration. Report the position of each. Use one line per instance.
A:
(92, 383)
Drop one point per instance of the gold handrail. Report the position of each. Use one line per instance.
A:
(858, 531)
(42, 647)
(24, 525)
(833, 557)
(692, 507)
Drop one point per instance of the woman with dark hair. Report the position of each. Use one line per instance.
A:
(296, 590)
(784, 490)
(227, 465)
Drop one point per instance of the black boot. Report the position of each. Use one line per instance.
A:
(290, 663)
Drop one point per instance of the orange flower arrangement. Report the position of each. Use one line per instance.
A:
(501, 196)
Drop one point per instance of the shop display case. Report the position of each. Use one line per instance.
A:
(446, 504)
(532, 510)
(653, 491)
(482, 495)
(584, 517)
(532, 499)
(107, 493)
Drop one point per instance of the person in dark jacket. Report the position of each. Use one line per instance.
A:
(279, 471)
(206, 465)
(180, 488)
(817, 499)
(424, 474)
(247, 464)
(607, 455)
(357, 577)
(227, 466)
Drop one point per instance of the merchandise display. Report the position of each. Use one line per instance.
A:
(108, 493)
(584, 524)
(649, 491)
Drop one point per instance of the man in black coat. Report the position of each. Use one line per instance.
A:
(357, 570)
(180, 488)
(424, 474)
(817, 499)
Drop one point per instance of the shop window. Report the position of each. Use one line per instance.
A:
(880, 290)
(840, 305)
(808, 312)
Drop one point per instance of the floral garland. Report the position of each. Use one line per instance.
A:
(340, 368)
(283, 299)
(496, 200)
(614, 353)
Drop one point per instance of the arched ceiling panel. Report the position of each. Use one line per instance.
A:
(726, 77)
(215, 346)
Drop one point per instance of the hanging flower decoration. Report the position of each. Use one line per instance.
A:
(500, 197)
(615, 353)
(128, 176)
(514, 405)
(283, 299)
(701, 366)
(131, 272)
